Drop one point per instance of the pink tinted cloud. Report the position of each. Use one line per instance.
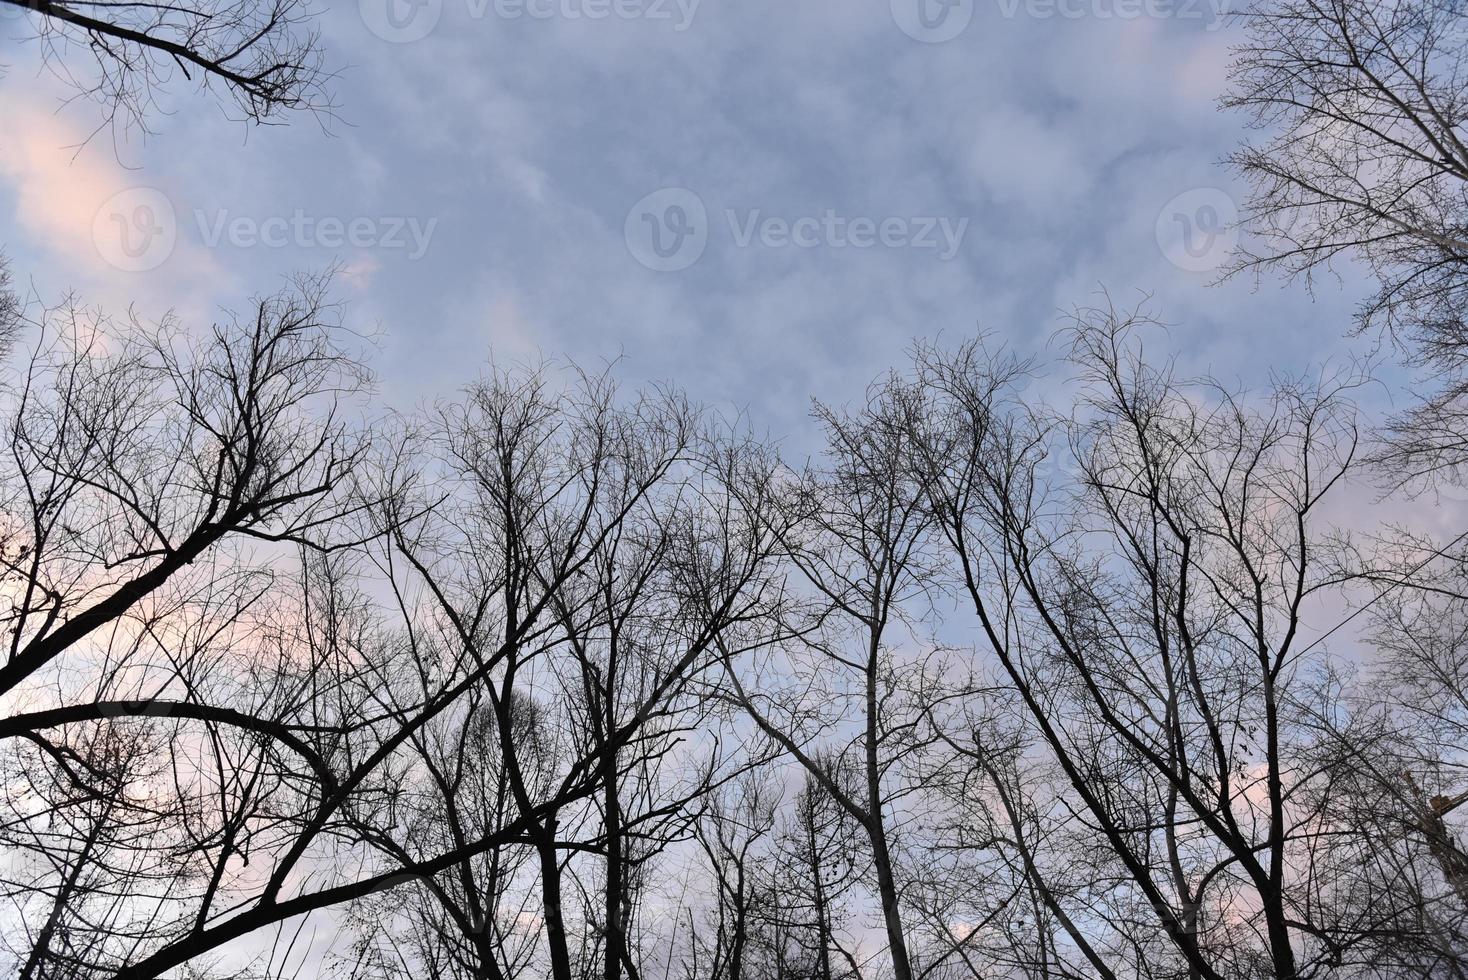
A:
(64, 190)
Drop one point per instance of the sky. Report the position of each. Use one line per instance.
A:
(761, 201)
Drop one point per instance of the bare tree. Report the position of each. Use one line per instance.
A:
(1395, 867)
(1148, 612)
(856, 532)
(132, 453)
(1363, 105)
(9, 309)
(482, 680)
(471, 920)
(1011, 878)
(262, 55)
(209, 744)
(821, 861)
(586, 554)
(1420, 630)
(733, 832)
(1392, 737)
(780, 877)
(156, 483)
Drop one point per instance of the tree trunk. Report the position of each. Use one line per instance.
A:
(615, 941)
(1274, 905)
(877, 831)
(550, 891)
(823, 918)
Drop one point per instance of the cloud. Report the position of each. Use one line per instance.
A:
(57, 190)
(113, 233)
(528, 139)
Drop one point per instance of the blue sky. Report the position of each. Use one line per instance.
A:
(823, 157)
(488, 172)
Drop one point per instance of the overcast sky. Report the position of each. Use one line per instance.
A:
(761, 200)
(826, 180)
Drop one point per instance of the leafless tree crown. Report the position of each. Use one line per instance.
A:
(261, 57)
